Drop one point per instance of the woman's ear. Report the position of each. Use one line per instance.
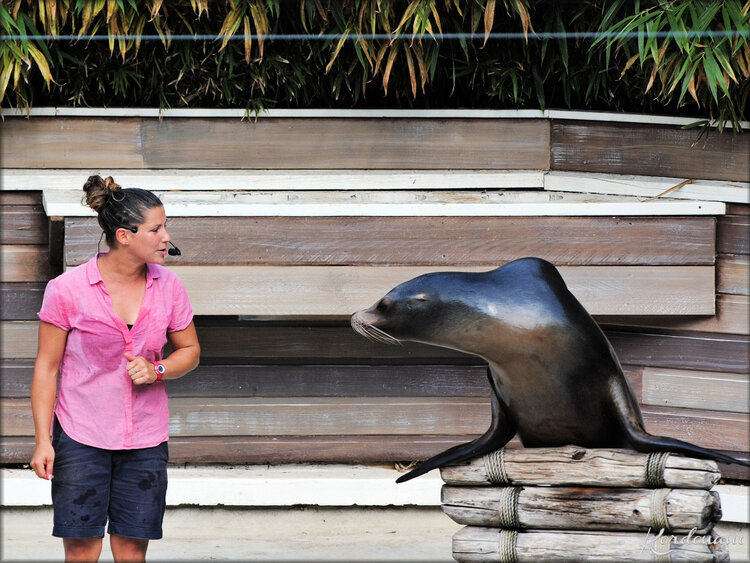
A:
(122, 236)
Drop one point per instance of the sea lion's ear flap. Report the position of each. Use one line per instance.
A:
(420, 297)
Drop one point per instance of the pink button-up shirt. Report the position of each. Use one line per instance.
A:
(97, 402)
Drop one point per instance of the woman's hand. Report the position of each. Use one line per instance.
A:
(43, 460)
(141, 371)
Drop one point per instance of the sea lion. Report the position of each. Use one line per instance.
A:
(554, 376)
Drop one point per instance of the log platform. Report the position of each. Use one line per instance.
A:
(493, 544)
(579, 504)
(576, 466)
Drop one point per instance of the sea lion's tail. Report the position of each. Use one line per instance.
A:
(642, 441)
(499, 433)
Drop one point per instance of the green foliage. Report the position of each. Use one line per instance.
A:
(618, 55)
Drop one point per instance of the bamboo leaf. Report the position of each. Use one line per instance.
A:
(692, 91)
(525, 19)
(260, 21)
(723, 60)
(436, 16)
(563, 42)
(423, 72)
(628, 64)
(412, 72)
(230, 26)
(489, 19)
(248, 41)
(713, 74)
(42, 14)
(8, 68)
(410, 9)
(336, 51)
(156, 6)
(8, 23)
(389, 67)
(41, 64)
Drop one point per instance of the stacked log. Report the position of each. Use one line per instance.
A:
(578, 504)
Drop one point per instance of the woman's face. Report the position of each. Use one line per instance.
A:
(150, 242)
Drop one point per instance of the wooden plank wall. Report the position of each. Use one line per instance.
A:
(312, 390)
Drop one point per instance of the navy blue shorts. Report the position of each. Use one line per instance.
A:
(93, 485)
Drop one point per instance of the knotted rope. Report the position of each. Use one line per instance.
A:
(655, 464)
(495, 464)
(508, 507)
(659, 517)
(506, 546)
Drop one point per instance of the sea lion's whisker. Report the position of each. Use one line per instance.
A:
(384, 336)
(373, 333)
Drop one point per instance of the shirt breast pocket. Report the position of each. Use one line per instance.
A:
(156, 336)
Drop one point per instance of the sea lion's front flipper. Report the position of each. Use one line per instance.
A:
(642, 441)
(499, 433)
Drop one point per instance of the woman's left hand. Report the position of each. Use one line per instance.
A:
(141, 371)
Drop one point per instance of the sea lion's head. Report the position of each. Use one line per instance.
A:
(435, 308)
(482, 313)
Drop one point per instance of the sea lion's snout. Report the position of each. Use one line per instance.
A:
(366, 323)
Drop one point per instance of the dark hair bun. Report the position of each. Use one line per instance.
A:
(99, 191)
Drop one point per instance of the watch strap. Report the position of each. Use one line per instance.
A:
(160, 370)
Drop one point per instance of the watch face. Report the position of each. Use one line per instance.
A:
(160, 368)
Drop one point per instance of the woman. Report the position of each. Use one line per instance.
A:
(102, 327)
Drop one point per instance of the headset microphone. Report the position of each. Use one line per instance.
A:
(174, 251)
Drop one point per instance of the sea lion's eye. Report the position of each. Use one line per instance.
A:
(383, 305)
(420, 297)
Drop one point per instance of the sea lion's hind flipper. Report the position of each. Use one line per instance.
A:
(499, 433)
(642, 441)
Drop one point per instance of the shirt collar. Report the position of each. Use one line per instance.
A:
(94, 275)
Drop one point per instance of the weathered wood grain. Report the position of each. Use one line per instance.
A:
(26, 263)
(20, 301)
(300, 416)
(261, 342)
(398, 203)
(94, 144)
(696, 389)
(478, 544)
(709, 429)
(277, 449)
(212, 380)
(577, 466)
(23, 224)
(264, 341)
(297, 449)
(733, 274)
(648, 150)
(488, 241)
(601, 508)
(345, 143)
(21, 197)
(733, 234)
(197, 416)
(224, 339)
(331, 291)
(738, 209)
(333, 381)
(732, 317)
(18, 339)
(330, 380)
(692, 351)
(191, 179)
(647, 186)
(327, 380)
